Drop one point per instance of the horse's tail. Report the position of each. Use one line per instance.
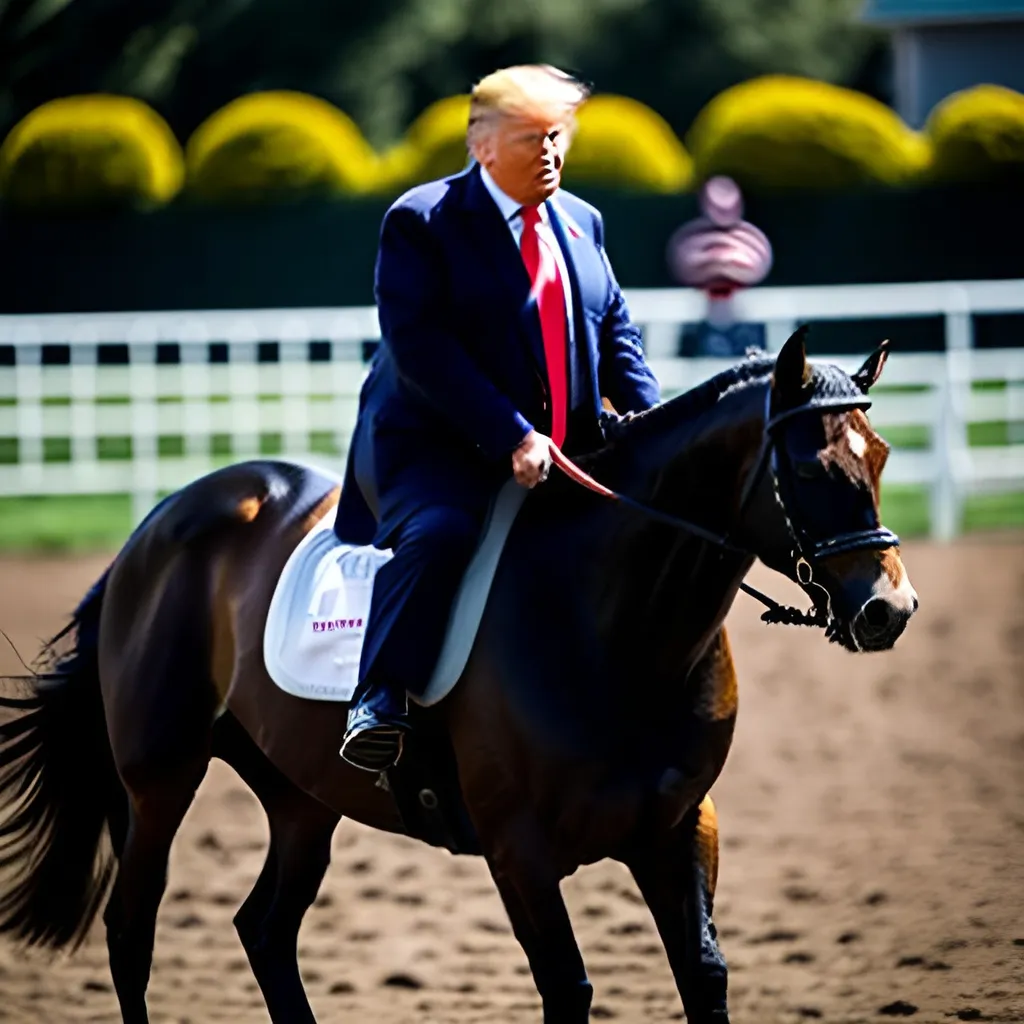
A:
(57, 786)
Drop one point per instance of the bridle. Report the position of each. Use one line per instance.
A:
(806, 552)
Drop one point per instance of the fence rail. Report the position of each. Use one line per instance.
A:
(142, 403)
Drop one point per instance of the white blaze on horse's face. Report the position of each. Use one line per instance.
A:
(885, 599)
(857, 441)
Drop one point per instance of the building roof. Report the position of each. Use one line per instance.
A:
(918, 12)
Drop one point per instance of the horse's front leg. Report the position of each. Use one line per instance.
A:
(529, 888)
(676, 873)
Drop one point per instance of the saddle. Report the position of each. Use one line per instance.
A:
(313, 639)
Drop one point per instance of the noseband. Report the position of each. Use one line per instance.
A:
(805, 551)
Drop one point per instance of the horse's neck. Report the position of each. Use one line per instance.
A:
(666, 590)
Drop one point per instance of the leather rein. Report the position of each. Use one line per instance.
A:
(806, 552)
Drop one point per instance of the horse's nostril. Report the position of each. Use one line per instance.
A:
(877, 613)
(878, 624)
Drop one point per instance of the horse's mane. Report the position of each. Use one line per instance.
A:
(695, 402)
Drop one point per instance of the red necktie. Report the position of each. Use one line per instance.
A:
(546, 288)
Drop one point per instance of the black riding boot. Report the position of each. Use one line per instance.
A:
(377, 723)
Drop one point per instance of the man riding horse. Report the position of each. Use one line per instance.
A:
(502, 328)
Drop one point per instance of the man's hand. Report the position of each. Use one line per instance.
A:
(531, 461)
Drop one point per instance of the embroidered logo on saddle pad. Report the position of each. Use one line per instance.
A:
(317, 618)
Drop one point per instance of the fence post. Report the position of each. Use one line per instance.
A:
(193, 348)
(952, 442)
(84, 431)
(28, 390)
(142, 378)
(244, 382)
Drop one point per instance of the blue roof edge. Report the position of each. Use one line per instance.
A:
(907, 12)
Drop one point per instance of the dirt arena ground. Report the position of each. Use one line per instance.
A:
(872, 817)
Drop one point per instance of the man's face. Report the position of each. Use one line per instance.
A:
(524, 155)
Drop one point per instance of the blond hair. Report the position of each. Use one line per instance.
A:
(525, 89)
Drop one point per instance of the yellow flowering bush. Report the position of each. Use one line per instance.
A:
(90, 151)
(621, 142)
(278, 144)
(434, 146)
(783, 132)
(978, 135)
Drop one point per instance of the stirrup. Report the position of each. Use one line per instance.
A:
(374, 749)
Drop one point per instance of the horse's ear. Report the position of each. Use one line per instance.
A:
(867, 376)
(792, 374)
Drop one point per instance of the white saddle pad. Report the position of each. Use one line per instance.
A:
(317, 617)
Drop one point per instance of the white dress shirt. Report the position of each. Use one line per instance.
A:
(513, 218)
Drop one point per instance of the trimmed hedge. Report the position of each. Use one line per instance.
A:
(434, 146)
(274, 145)
(771, 133)
(780, 132)
(978, 135)
(89, 152)
(622, 142)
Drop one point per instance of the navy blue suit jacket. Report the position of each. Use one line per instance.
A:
(459, 378)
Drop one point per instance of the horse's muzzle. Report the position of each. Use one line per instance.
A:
(879, 623)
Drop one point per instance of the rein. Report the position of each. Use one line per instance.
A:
(806, 551)
(777, 613)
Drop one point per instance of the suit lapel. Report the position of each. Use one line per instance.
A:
(567, 235)
(494, 241)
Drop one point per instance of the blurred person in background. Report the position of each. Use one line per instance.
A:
(721, 254)
(503, 328)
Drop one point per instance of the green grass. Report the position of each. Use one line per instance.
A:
(58, 449)
(103, 522)
(92, 522)
(995, 511)
(905, 510)
(919, 437)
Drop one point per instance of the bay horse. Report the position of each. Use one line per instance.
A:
(595, 712)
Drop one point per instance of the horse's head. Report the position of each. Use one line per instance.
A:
(812, 504)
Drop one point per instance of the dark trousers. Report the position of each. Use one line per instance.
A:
(431, 517)
(413, 596)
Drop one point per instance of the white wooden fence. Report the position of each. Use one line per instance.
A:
(187, 391)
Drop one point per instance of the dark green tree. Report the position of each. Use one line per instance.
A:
(382, 61)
